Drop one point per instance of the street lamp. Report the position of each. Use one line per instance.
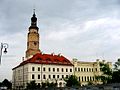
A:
(3, 46)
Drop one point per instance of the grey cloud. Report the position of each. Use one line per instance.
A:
(60, 16)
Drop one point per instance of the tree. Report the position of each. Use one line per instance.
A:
(106, 76)
(117, 65)
(44, 84)
(32, 85)
(47, 84)
(72, 81)
(116, 72)
(7, 83)
(116, 76)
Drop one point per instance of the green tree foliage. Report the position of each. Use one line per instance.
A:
(106, 76)
(116, 72)
(117, 65)
(32, 85)
(52, 84)
(7, 83)
(116, 77)
(72, 81)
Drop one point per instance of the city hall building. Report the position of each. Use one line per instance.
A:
(38, 66)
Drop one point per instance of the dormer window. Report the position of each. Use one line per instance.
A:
(39, 58)
(48, 59)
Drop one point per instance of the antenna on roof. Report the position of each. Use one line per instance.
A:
(41, 52)
(53, 53)
(103, 56)
(59, 54)
(22, 58)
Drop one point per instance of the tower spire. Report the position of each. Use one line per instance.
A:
(33, 37)
(33, 11)
(33, 21)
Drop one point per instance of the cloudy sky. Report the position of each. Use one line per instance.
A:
(82, 29)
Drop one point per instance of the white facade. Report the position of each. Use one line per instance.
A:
(86, 71)
(51, 73)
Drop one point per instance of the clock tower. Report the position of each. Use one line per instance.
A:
(33, 38)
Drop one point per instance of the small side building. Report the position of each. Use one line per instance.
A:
(86, 71)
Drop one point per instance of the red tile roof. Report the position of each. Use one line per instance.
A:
(47, 59)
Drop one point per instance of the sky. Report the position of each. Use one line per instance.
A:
(82, 29)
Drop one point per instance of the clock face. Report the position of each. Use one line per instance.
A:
(35, 43)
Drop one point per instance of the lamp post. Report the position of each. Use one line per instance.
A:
(3, 46)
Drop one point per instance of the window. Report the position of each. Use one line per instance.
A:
(57, 76)
(38, 76)
(84, 69)
(33, 69)
(66, 70)
(33, 76)
(44, 69)
(70, 70)
(62, 70)
(49, 76)
(53, 76)
(90, 69)
(90, 78)
(66, 76)
(44, 77)
(96, 69)
(87, 78)
(82, 78)
(93, 78)
(53, 69)
(87, 69)
(57, 69)
(38, 68)
(62, 76)
(49, 69)
(39, 58)
(75, 69)
(81, 69)
(79, 78)
(48, 59)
